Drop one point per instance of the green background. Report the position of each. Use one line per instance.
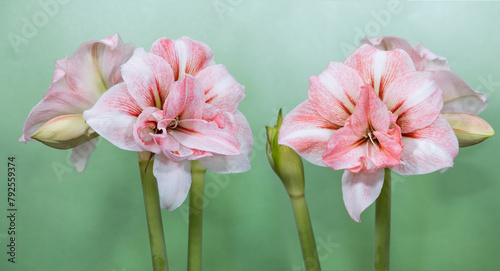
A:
(96, 220)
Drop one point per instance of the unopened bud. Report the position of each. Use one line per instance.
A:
(468, 128)
(285, 162)
(65, 132)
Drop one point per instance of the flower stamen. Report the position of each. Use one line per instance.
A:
(370, 135)
(174, 123)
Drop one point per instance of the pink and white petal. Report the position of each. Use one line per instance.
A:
(186, 56)
(428, 149)
(378, 114)
(307, 132)
(369, 111)
(350, 149)
(174, 181)
(458, 96)
(416, 99)
(206, 136)
(391, 43)
(144, 130)
(113, 117)
(358, 122)
(197, 154)
(220, 88)
(128, 51)
(345, 149)
(388, 153)
(81, 153)
(92, 67)
(379, 68)
(110, 63)
(166, 143)
(213, 113)
(360, 190)
(234, 163)
(183, 153)
(60, 70)
(431, 61)
(185, 100)
(148, 78)
(335, 91)
(59, 100)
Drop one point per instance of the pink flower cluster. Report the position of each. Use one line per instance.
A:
(173, 101)
(388, 105)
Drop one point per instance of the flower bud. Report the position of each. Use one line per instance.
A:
(468, 128)
(65, 132)
(285, 162)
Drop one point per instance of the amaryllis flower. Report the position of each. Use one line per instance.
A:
(77, 84)
(458, 96)
(152, 111)
(222, 91)
(371, 112)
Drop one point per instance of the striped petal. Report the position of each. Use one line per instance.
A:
(220, 88)
(388, 43)
(113, 117)
(416, 99)
(335, 91)
(185, 100)
(185, 56)
(148, 78)
(233, 163)
(429, 149)
(379, 68)
(206, 136)
(307, 132)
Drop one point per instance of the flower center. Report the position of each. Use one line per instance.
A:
(174, 123)
(370, 135)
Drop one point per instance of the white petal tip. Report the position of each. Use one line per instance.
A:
(170, 206)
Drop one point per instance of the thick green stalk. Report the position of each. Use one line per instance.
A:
(306, 235)
(287, 164)
(196, 215)
(383, 225)
(153, 213)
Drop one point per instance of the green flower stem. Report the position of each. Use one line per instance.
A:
(383, 225)
(153, 213)
(306, 235)
(196, 215)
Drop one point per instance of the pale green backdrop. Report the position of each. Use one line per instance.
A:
(96, 221)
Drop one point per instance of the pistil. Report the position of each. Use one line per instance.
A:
(369, 133)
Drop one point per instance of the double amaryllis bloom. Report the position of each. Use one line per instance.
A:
(176, 103)
(371, 112)
(77, 84)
